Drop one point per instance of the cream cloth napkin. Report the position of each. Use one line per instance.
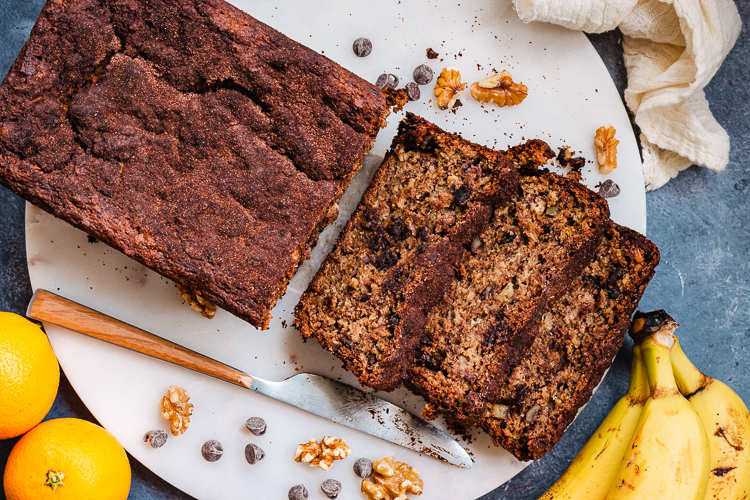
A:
(672, 49)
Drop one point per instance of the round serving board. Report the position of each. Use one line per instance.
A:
(570, 96)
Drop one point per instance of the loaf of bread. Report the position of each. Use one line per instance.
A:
(579, 335)
(433, 194)
(188, 135)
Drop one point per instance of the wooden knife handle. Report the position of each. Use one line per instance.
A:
(51, 308)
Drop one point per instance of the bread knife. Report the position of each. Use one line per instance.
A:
(316, 394)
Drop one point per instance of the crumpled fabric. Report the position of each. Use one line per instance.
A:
(672, 49)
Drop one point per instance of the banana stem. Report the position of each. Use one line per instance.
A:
(689, 379)
(638, 388)
(658, 367)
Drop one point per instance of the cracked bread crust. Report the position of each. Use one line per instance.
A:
(433, 193)
(530, 253)
(579, 336)
(188, 135)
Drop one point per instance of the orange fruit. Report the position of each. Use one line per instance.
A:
(67, 459)
(29, 375)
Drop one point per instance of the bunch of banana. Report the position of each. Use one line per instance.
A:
(654, 444)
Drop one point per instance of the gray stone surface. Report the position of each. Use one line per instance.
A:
(700, 221)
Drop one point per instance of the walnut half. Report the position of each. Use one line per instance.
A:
(606, 148)
(176, 409)
(391, 481)
(322, 455)
(500, 89)
(448, 87)
(197, 302)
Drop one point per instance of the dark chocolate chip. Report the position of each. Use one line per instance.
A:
(364, 298)
(431, 54)
(392, 286)
(256, 425)
(212, 450)
(412, 91)
(331, 488)
(396, 229)
(462, 194)
(155, 438)
(423, 233)
(387, 81)
(609, 189)
(363, 468)
(422, 248)
(385, 260)
(507, 238)
(254, 454)
(564, 156)
(392, 320)
(362, 47)
(382, 81)
(298, 492)
(423, 74)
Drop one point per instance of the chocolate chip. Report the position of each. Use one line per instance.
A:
(396, 229)
(298, 492)
(385, 260)
(392, 286)
(256, 425)
(392, 321)
(507, 238)
(423, 74)
(363, 468)
(462, 194)
(431, 54)
(383, 82)
(331, 488)
(387, 81)
(212, 450)
(609, 189)
(423, 233)
(364, 298)
(362, 47)
(155, 438)
(254, 454)
(412, 91)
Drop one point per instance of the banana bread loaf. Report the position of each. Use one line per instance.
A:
(580, 334)
(532, 251)
(188, 135)
(433, 193)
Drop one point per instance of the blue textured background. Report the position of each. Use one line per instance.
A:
(700, 221)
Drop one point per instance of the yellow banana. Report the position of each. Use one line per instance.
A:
(668, 457)
(590, 474)
(727, 423)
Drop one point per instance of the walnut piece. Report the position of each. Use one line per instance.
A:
(500, 89)
(197, 302)
(176, 409)
(322, 455)
(391, 481)
(606, 148)
(448, 87)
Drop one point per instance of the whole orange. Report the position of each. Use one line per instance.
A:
(67, 459)
(29, 375)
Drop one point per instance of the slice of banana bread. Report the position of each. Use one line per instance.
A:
(578, 337)
(532, 251)
(433, 193)
(188, 135)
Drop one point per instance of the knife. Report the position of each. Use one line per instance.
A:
(319, 395)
